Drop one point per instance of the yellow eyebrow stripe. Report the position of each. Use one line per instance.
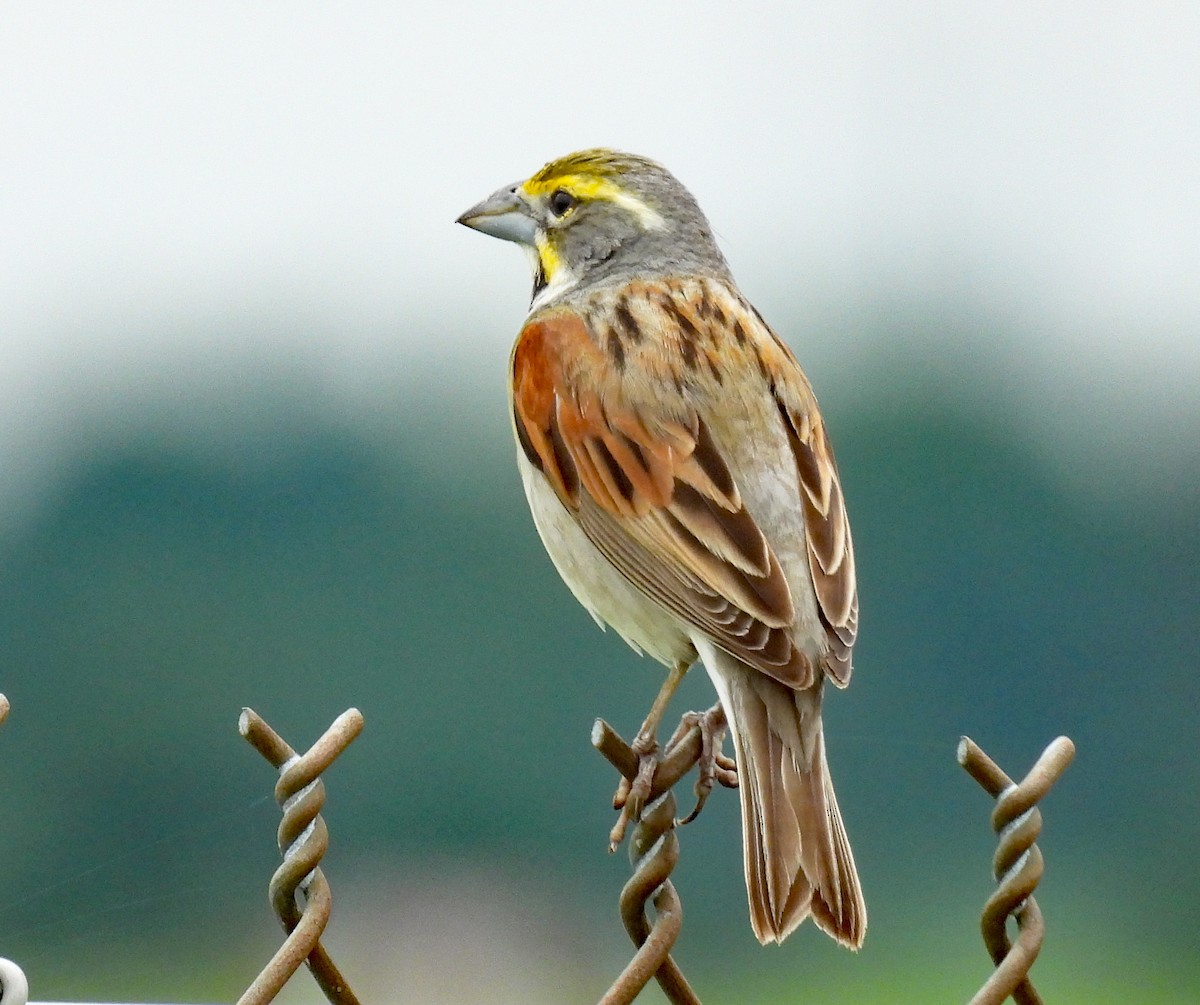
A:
(590, 187)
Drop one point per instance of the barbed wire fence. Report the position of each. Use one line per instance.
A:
(301, 898)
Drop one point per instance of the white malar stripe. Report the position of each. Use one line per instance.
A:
(564, 279)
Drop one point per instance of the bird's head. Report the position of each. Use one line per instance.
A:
(597, 215)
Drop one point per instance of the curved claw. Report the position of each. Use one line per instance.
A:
(701, 799)
(713, 765)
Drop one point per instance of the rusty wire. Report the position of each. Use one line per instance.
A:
(303, 839)
(1017, 867)
(653, 851)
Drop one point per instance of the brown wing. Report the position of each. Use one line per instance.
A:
(830, 550)
(653, 494)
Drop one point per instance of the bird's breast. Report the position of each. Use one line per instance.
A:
(606, 594)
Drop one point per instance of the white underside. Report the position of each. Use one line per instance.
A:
(607, 595)
(764, 471)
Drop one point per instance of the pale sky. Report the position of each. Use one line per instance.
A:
(190, 192)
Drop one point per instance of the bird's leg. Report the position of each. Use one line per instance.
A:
(644, 743)
(714, 766)
(631, 793)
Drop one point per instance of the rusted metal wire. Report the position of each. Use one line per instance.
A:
(1017, 867)
(653, 851)
(303, 839)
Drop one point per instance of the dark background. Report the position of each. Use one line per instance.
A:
(305, 565)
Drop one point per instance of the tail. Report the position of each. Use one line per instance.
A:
(798, 859)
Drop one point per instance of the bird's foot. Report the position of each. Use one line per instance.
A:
(631, 795)
(714, 766)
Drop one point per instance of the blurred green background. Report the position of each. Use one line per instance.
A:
(258, 454)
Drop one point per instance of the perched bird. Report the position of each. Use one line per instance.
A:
(680, 477)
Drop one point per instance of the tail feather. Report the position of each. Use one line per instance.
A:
(798, 858)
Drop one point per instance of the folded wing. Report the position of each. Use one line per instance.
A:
(654, 495)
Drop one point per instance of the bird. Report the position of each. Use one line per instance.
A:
(681, 478)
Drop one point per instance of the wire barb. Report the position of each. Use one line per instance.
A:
(653, 851)
(303, 840)
(1017, 867)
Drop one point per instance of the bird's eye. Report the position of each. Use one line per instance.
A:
(561, 202)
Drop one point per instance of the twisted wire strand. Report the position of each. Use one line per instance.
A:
(303, 841)
(1017, 867)
(653, 852)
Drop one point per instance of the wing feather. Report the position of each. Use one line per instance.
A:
(827, 528)
(655, 496)
(652, 490)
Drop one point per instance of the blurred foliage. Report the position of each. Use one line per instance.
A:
(308, 562)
